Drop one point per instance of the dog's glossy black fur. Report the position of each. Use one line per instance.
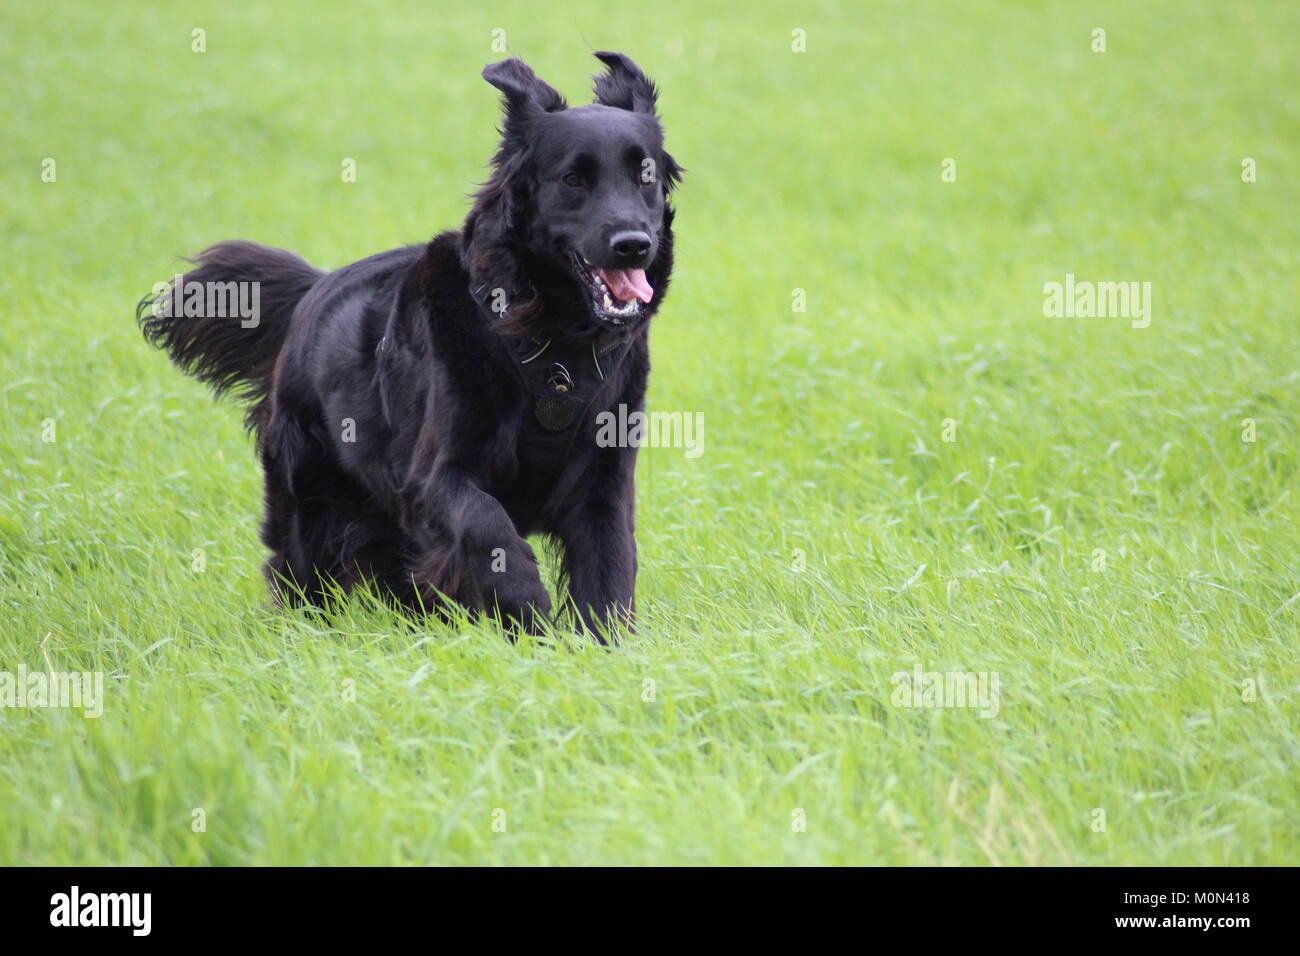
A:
(421, 412)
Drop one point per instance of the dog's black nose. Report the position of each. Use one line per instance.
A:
(630, 246)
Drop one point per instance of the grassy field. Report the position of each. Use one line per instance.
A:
(920, 469)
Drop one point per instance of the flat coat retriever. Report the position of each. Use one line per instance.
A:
(421, 412)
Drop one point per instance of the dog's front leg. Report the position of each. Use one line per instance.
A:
(600, 562)
(472, 552)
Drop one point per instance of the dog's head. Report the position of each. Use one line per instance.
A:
(574, 226)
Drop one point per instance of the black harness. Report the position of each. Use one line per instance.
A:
(563, 380)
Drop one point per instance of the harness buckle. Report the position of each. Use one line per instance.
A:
(559, 379)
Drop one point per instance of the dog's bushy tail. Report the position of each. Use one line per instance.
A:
(218, 341)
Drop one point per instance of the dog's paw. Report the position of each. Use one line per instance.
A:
(524, 610)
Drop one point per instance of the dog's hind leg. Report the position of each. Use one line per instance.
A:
(291, 575)
(323, 532)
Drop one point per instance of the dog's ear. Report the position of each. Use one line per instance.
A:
(672, 173)
(525, 92)
(624, 85)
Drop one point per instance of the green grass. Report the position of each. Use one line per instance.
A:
(1120, 689)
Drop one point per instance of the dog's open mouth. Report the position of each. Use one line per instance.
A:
(616, 294)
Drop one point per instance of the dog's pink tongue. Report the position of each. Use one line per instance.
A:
(628, 284)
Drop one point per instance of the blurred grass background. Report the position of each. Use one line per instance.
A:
(1121, 690)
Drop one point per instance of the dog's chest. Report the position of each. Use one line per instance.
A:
(541, 460)
(566, 390)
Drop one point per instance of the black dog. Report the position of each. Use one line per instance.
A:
(419, 413)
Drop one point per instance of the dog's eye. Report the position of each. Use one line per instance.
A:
(573, 179)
